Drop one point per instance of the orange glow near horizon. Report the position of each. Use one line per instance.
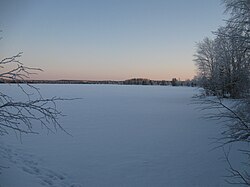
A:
(109, 66)
(164, 74)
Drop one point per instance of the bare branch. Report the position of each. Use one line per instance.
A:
(21, 116)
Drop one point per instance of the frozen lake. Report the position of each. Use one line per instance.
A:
(135, 136)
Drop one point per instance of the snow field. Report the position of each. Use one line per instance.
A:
(121, 136)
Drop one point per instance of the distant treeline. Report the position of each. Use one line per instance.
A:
(134, 81)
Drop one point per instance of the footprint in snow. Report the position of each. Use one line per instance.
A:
(31, 165)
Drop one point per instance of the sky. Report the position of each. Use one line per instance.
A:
(108, 39)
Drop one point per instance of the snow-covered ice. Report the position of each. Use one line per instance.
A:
(121, 136)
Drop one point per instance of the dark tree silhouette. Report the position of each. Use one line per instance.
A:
(22, 116)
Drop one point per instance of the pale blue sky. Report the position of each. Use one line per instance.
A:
(108, 39)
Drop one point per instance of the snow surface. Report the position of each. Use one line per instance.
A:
(122, 136)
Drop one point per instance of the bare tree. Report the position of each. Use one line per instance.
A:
(223, 66)
(238, 26)
(207, 65)
(22, 116)
(223, 63)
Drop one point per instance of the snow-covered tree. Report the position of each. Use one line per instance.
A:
(205, 59)
(223, 69)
